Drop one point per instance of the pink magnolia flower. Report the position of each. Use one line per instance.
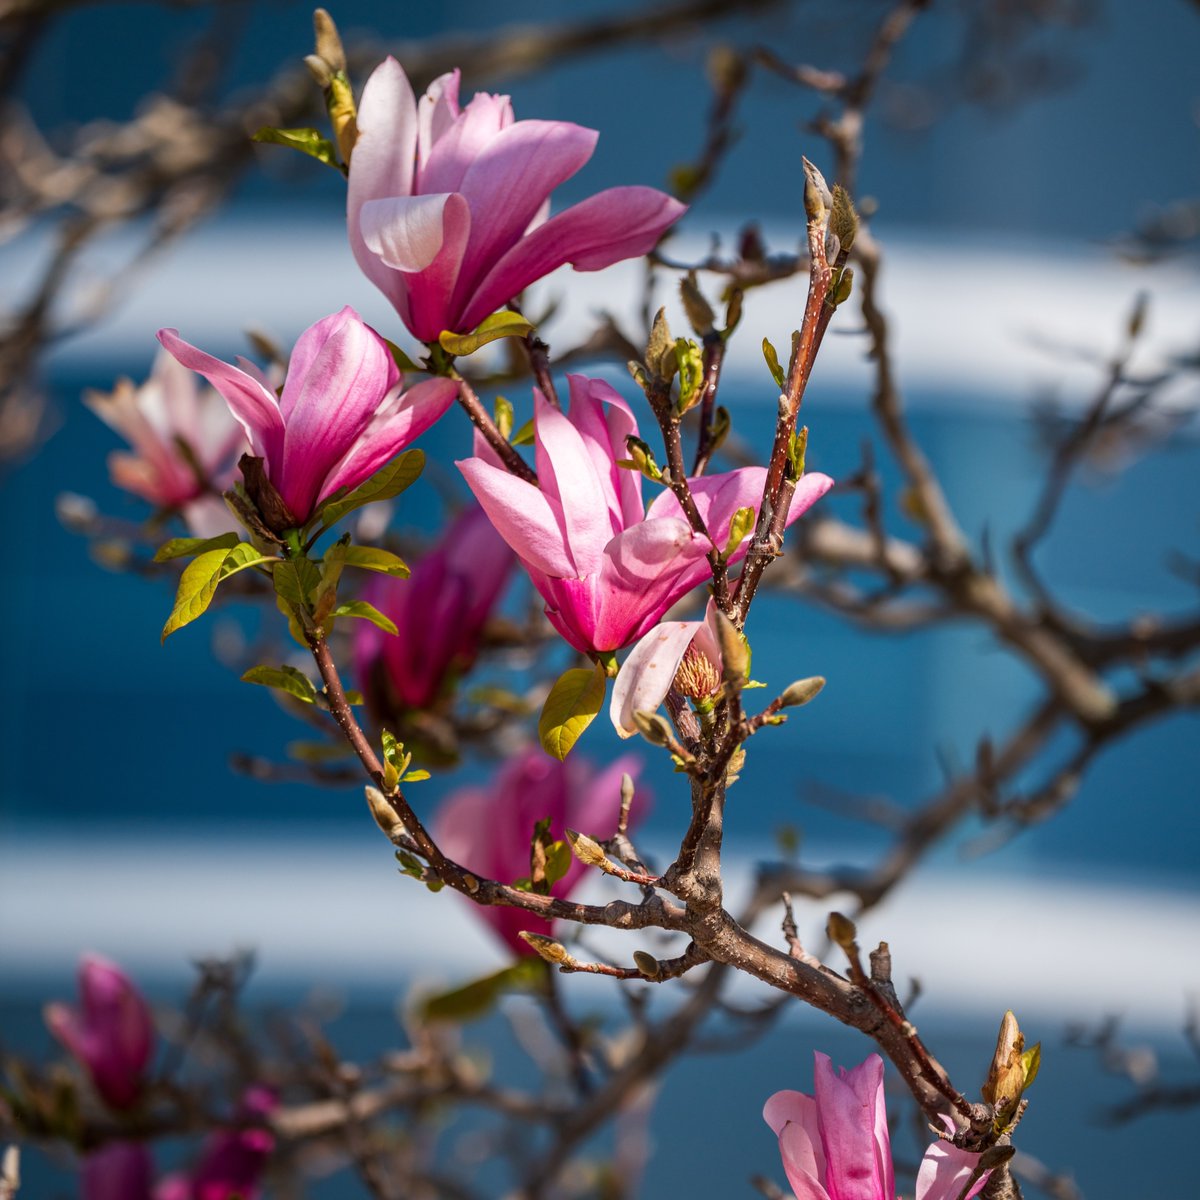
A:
(118, 1171)
(233, 1161)
(607, 569)
(112, 1037)
(440, 612)
(448, 206)
(184, 439)
(835, 1144)
(687, 650)
(342, 414)
(489, 829)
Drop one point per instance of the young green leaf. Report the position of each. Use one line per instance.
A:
(198, 583)
(570, 708)
(502, 414)
(773, 366)
(325, 596)
(501, 324)
(524, 436)
(183, 547)
(307, 141)
(366, 612)
(285, 679)
(477, 998)
(739, 528)
(371, 558)
(296, 579)
(389, 481)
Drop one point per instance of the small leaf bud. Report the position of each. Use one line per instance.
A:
(735, 651)
(801, 692)
(654, 727)
(817, 197)
(319, 69)
(647, 964)
(841, 930)
(587, 849)
(660, 349)
(843, 220)
(384, 814)
(552, 951)
(328, 40)
(699, 312)
(642, 458)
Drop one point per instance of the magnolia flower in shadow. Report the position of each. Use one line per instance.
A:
(343, 412)
(607, 568)
(835, 1143)
(685, 655)
(118, 1171)
(184, 443)
(440, 612)
(111, 1034)
(449, 208)
(488, 830)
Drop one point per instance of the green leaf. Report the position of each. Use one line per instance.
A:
(307, 141)
(1031, 1061)
(296, 579)
(390, 480)
(325, 596)
(366, 612)
(401, 359)
(198, 583)
(502, 414)
(183, 547)
(571, 707)
(524, 436)
(371, 558)
(739, 528)
(773, 364)
(414, 776)
(558, 862)
(285, 679)
(501, 324)
(475, 999)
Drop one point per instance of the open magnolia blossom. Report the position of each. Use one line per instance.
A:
(184, 439)
(439, 612)
(111, 1035)
(489, 829)
(683, 654)
(607, 568)
(835, 1143)
(448, 207)
(342, 414)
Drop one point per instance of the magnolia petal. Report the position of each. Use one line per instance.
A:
(613, 225)
(437, 111)
(470, 137)
(255, 407)
(645, 676)
(944, 1172)
(604, 421)
(405, 232)
(569, 481)
(521, 514)
(382, 164)
(847, 1134)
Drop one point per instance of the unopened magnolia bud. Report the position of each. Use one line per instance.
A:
(328, 40)
(547, 948)
(801, 692)
(660, 349)
(735, 652)
(817, 197)
(699, 312)
(647, 964)
(626, 790)
(587, 849)
(384, 814)
(642, 457)
(841, 930)
(654, 727)
(319, 69)
(1012, 1069)
(843, 220)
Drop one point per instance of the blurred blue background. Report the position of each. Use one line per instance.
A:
(123, 829)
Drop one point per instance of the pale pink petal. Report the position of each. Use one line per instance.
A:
(521, 514)
(256, 408)
(437, 111)
(405, 232)
(382, 164)
(944, 1172)
(471, 135)
(604, 421)
(568, 479)
(793, 1118)
(866, 1080)
(430, 292)
(645, 676)
(606, 228)
(524, 164)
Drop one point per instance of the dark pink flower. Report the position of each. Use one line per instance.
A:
(489, 829)
(607, 568)
(111, 1035)
(342, 414)
(118, 1171)
(440, 612)
(448, 208)
(232, 1162)
(835, 1144)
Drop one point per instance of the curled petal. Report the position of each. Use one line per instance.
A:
(645, 676)
(405, 232)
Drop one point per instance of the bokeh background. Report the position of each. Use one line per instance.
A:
(1007, 188)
